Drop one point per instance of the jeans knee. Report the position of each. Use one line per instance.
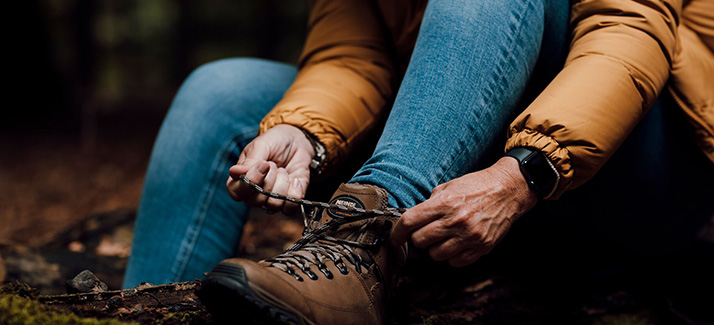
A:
(476, 13)
(226, 89)
(219, 69)
(221, 78)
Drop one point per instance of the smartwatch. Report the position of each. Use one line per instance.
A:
(539, 172)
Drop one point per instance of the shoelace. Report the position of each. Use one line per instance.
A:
(315, 204)
(316, 246)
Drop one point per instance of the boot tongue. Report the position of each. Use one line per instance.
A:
(353, 195)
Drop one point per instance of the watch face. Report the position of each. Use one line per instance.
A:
(540, 173)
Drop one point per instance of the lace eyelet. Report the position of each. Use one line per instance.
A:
(342, 267)
(292, 272)
(323, 268)
(310, 274)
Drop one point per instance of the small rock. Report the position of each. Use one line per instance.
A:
(86, 282)
(144, 285)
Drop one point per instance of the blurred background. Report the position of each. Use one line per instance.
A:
(90, 82)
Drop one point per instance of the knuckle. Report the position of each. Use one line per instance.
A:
(478, 237)
(458, 262)
(454, 199)
(419, 241)
(457, 221)
(441, 204)
(447, 202)
(436, 254)
(408, 221)
(489, 244)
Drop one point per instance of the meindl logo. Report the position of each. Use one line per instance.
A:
(345, 201)
(346, 204)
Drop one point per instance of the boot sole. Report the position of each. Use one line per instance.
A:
(228, 297)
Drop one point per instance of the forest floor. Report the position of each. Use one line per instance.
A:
(68, 204)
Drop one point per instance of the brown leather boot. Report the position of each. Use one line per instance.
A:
(337, 273)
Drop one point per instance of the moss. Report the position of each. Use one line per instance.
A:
(435, 320)
(636, 318)
(185, 317)
(20, 289)
(15, 309)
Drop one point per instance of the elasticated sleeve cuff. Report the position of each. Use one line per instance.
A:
(558, 155)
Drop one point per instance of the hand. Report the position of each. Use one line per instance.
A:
(466, 217)
(279, 161)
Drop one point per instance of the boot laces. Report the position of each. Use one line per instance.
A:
(316, 247)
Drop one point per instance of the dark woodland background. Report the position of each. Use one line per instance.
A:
(89, 83)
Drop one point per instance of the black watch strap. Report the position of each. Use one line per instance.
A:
(320, 153)
(539, 172)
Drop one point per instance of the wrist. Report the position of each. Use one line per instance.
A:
(516, 183)
(319, 153)
(538, 171)
(307, 142)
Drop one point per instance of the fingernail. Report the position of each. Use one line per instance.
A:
(296, 183)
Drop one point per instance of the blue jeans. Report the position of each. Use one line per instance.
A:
(474, 67)
(186, 221)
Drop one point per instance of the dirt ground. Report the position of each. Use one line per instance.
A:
(51, 180)
(67, 203)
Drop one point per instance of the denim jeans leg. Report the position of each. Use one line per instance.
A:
(471, 64)
(186, 220)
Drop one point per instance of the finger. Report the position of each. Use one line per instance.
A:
(240, 191)
(297, 191)
(231, 186)
(269, 180)
(251, 155)
(446, 249)
(466, 257)
(241, 158)
(256, 174)
(429, 234)
(280, 186)
(412, 220)
(267, 184)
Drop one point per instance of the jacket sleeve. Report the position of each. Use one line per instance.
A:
(619, 61)
(345, 77)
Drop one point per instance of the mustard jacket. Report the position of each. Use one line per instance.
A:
(622, 55)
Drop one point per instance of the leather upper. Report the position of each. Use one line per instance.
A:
(357, 297)
(622, 55)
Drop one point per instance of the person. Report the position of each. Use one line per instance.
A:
(566, 84)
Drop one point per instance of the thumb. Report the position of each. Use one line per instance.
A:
(238, 170)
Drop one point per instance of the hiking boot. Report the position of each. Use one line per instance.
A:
(338, 272)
